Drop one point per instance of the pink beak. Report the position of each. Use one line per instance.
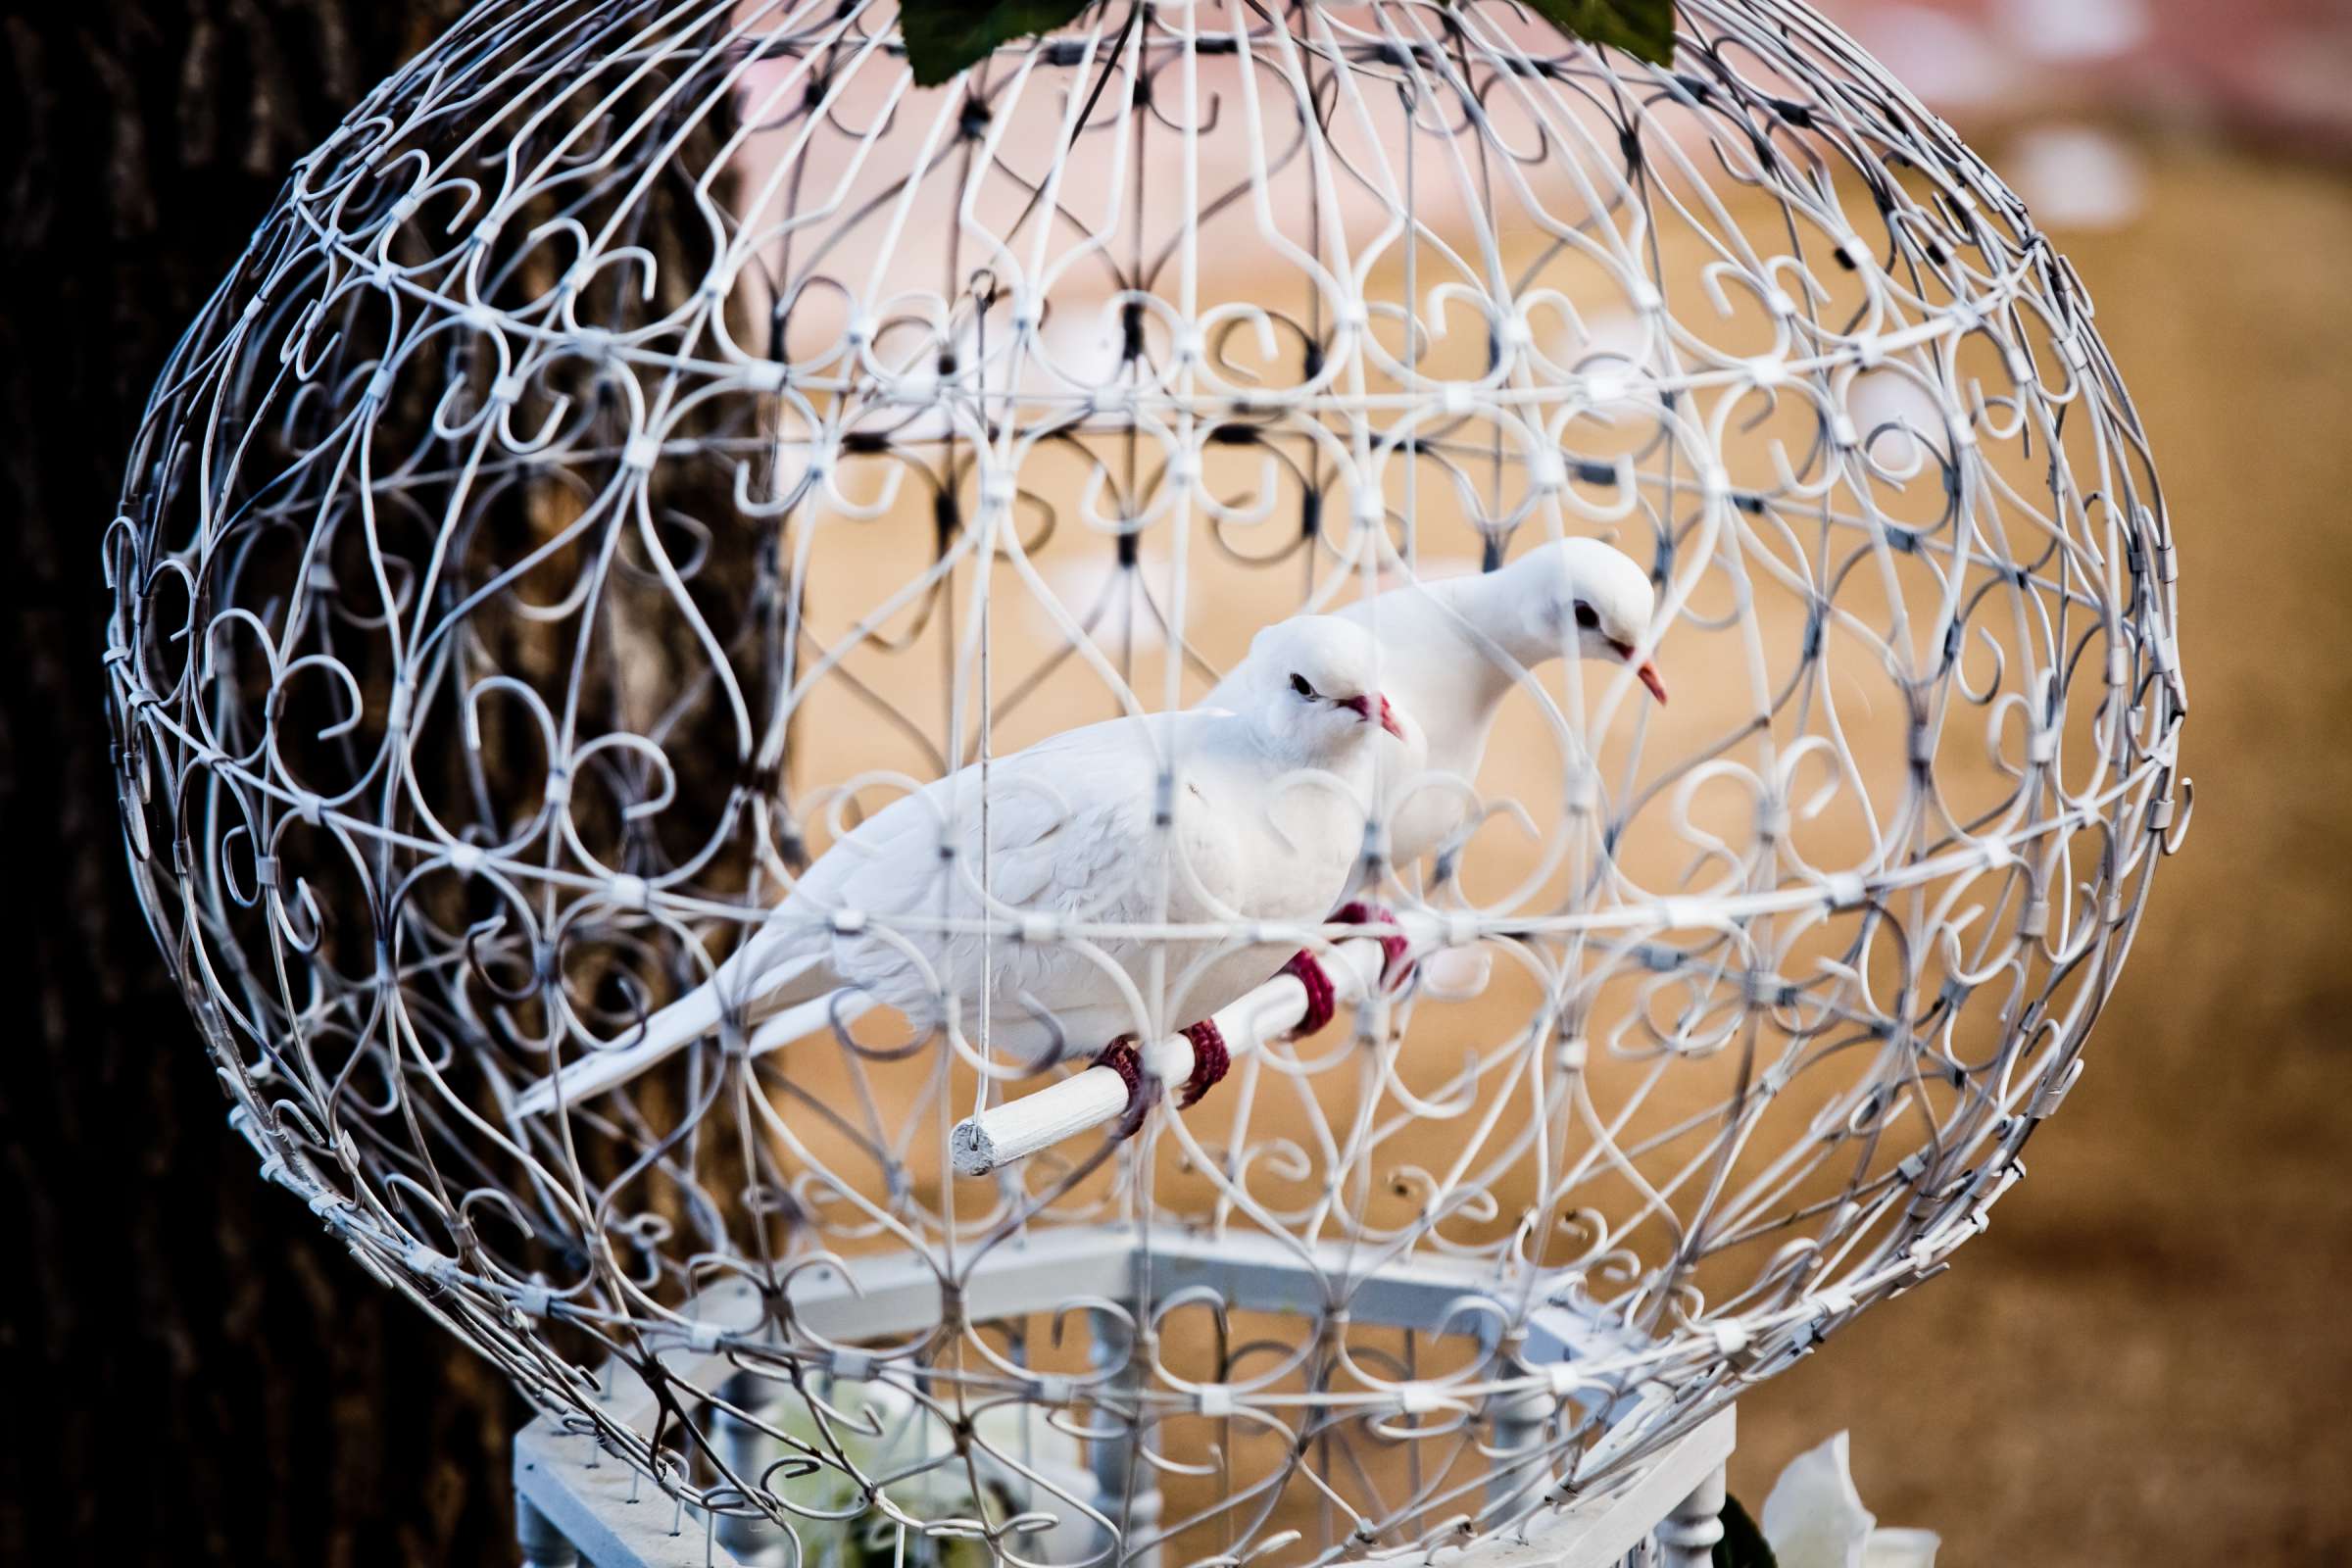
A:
(1363, 708)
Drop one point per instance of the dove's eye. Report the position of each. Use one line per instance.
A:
(1299, 684)
(1586, 616)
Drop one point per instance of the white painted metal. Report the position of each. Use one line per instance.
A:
(574, 1493)
(644, 437)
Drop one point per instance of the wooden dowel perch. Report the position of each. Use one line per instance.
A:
(1098, 1097)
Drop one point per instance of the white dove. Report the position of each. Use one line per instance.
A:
(1454, 647)
(1262, 820)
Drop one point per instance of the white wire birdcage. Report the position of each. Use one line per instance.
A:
(645, 438)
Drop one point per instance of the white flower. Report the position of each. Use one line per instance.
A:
(907, 1441)
(1814, 1518)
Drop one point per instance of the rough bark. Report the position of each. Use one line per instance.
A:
(194, 1375)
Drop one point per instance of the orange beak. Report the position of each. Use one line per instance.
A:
(1647, 672)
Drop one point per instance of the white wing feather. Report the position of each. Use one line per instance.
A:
(1067, 820)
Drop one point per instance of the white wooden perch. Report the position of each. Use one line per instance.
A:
(1000, 1134)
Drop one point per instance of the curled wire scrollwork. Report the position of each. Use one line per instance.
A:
(634, 451)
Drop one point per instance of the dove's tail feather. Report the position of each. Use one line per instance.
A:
(803, 985)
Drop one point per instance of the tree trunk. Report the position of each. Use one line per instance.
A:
(194, 1374)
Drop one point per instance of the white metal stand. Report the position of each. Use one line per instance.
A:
(574, 1501)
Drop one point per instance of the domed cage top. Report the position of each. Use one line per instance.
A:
(646, 439)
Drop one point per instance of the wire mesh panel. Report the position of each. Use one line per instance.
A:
(647, 441)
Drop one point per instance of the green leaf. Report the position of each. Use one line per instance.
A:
(1643, 29)
(943, 37)
(1742, 1544)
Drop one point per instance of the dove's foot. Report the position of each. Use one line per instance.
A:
(1320, 998)
(1209, 1060)
(1394, 970)
(1121, 1057)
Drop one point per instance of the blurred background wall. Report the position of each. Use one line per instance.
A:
(2144, 1360)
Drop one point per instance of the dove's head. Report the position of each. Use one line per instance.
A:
(1597, 595)
(1311, 687)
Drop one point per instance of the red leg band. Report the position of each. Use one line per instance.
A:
(1209, 1059)
(1319, 997)
(1393, 967)
(1121, 1057)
